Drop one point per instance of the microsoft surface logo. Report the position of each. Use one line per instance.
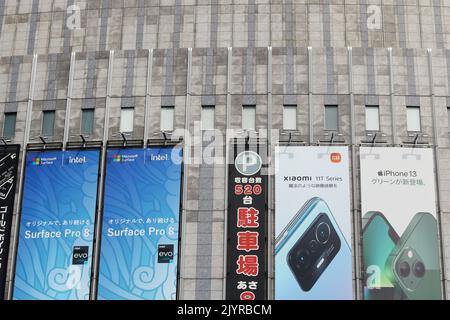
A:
(117, 158)
(36, 161)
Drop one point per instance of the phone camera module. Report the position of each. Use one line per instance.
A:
(313, 245)
(419, 269)
(303, 259)
(404, 269)
(323, 233)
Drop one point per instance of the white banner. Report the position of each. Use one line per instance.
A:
(313, 258)
(400, 232)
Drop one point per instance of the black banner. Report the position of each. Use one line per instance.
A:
(9, 160)
(247, 220)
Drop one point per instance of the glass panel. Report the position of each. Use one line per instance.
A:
(448, 117)
(331, 118)
(126, 120)
(87, 121)
(372, 118)
(249, 117)
(9, 125)
(413, 118)
(290, 118)
(208, 117)
(167, 118)
(48, 123)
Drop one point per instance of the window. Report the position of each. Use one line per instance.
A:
(249, 117)
(127, 119)
(167, 118)
(372, 118)
(87, 121)
(448, 118)
(208, 117)
(413, 119)
(9, 126)
(331, 118)
(48, 123)
(290, 117)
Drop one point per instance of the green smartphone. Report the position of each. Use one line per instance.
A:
(414, 264)
(379, 240)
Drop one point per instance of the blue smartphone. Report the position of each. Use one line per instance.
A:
(313, 260)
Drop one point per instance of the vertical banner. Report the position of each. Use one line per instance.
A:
(140, 237)
(57, 225)
(247, 240)
(313, 258)
(400, 231)
(9, 160)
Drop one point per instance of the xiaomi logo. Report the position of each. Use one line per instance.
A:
(336, 157)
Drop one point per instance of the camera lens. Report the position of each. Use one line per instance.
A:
(419, 269)
(404, 269)
(303, 258)
(323, 232)
(313, 245)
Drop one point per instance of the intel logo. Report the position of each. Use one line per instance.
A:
(77, 160)
(159, 157)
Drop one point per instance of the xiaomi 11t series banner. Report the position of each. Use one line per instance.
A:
(400, 230)
(313, 257)
(57, 225)
(140, 237)
(9, 159)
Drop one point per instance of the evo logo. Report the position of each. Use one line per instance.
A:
(165, 253)
(80, 255)
(159, 157)
(77, 160)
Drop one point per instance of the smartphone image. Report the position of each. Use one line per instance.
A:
(414, 263)
(379, 240)
(312, 257)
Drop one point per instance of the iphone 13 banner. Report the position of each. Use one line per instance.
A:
(141, 216)
(313, 256)
(400, 231)
(57, 225)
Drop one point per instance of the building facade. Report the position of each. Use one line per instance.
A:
(100, 67)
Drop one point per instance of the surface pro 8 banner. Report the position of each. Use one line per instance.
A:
(9, 159)
(140, 237)
(313, 258)
(400, 231)
(57, 225)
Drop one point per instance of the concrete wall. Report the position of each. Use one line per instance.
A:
(40, 26)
